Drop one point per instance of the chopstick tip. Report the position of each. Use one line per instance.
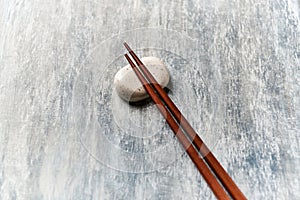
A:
(127, 46)
(129, 60)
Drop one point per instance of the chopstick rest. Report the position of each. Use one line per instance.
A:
(128, 85)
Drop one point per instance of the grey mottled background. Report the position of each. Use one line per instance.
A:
(241, 70)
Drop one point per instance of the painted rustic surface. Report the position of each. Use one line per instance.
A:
(65, 134)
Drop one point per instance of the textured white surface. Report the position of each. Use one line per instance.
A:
(247, 53)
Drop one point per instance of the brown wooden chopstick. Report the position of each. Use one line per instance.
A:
(191, 151)
(210, 159)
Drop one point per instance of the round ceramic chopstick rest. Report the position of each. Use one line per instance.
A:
(128, 86)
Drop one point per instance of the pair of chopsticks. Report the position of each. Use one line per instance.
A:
(214, 174)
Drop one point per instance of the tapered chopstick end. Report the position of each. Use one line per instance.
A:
(127, 46)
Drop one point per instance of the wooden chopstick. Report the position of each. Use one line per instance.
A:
(191, 151)
(216, 167)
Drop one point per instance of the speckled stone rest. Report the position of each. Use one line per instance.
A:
(129, 86)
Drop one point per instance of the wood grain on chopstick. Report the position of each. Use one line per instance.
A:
(213, 163)
(191, 151)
